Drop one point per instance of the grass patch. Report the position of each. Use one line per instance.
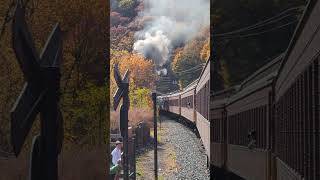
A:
(170, 160)
(139, 168)
(160, 177)
(161, 133)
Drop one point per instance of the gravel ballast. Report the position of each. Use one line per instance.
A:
(190, 154)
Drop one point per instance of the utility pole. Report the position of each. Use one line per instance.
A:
(154, 98)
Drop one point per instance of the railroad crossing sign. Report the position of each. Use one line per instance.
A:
(40, 94)
(123, 86)
(123, 93)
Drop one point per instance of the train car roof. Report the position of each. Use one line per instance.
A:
(304, 19)
(299, 32)
(189, 87)
(172, 94)
(270, 67)
(258, 85)
(207, 63)
(176, 93)
(220, 98)
(260, 79)
(224, 93)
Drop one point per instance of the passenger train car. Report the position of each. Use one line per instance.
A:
(218, 133)
(192, 103)
(297, 122)
(267, 127)
(248, 122)
(202, 94)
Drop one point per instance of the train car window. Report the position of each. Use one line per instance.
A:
(241, 123)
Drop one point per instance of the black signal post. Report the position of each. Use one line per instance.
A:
(123, 93)
(154, 98)
(40, 94)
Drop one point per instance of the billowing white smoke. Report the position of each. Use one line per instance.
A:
(155, 47)
(173, 23)
(163, 72)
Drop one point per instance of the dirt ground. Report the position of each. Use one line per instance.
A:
(180, 154)
(166, 159)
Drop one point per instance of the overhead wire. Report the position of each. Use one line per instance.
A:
(195, 67)
(191, 71)
(268, 21)
(261, 32)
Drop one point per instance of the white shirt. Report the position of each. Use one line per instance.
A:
(116, 155)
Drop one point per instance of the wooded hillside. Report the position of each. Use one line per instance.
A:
(84, 89)
(249, 33)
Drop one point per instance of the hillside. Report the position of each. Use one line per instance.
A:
(248, 34)
(165, 48)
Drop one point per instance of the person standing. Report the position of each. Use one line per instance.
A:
(115, 170)
(116, 161)
(116, 153)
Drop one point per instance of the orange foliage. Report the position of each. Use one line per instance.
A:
(142, 74)
(177, 57)
(141, 70)
(205, 51)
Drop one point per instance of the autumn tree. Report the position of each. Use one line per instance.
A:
(121, 38)
(205, 51)
(188, 61)
(127, 7)
(243, 56)
(83, 25)
(142, 76)
(116, 19)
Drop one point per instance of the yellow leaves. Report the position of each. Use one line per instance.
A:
(176, 59)
(84, 33)
(205, 51)
(141, 69)
(187, 60)
(142, 74)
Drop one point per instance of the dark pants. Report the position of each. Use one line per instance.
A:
(112, 176)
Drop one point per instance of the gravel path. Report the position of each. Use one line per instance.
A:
(180, 154)
(190, 155)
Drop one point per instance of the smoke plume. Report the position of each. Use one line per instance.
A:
(172, 23)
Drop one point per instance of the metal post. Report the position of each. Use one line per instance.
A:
(35, 161)
(154, 98)
(134, 158)
(49, 127)
(123, 92)
(159, 119)
(126, 147)
(124, 120)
